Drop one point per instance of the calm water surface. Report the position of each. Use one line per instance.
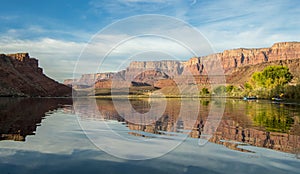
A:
(46, 136)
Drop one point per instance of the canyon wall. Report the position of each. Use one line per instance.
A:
(237, 65)
(21, 76)
(170, 67)
(236, 58)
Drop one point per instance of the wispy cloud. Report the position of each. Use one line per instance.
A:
(232, 24)
(8, 17)
(106, 50)
(137, 36)
(125, 8)
(36, 32)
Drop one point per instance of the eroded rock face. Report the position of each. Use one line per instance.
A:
(170, 67)
(21, 76)
(105, 83)
(239, 64)
(150, 77)
(236, 58)
(164, 83)
(90, 79)
(208, 69)
(69, 82)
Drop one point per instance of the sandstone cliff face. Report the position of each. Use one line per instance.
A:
(144, 72)
(106, 83)
(150, 77)
(237, 65)
(69, 82)
(88, 79)
(170, 67)
(236, 58)
(162, 83)
(21, 76)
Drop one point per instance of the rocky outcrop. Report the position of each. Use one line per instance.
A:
(150, 77)
(69, 82)
(105, 83)
(236, 58)
(21, 76)
(237, 65)
(164, 83)
(170, 67)
(88, 79)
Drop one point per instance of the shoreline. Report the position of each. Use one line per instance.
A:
(147, 96)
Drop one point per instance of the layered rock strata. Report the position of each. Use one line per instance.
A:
(235, 66)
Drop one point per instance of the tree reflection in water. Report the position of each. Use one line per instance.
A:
(262, 124)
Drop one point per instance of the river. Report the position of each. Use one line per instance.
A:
(48, 135)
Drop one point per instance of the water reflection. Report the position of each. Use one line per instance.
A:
(95, 119)
(19, 117)
(60, 146)
(261, 124)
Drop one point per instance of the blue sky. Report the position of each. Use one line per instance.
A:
(56, 31)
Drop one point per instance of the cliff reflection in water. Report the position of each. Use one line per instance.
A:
(19, 117)
(262, 124)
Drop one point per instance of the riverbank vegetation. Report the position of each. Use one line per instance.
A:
(273, 81)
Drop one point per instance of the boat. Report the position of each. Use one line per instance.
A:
(277, 99)
(250, 98)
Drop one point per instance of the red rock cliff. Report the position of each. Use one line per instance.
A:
(21, 76)
(236, 58)
(235, 64)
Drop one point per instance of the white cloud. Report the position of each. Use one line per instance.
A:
(249, 37)
(224, 25)
(229, 25)
(121, 8)
(38, 32)
(59, 57)
(130, 38)
(135, 36)
(8, 17)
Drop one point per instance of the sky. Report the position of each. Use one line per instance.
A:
(71, 37)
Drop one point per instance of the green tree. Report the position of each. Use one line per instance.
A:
(204, 91)
(272, 77)
(248, 86)
(220, 90)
